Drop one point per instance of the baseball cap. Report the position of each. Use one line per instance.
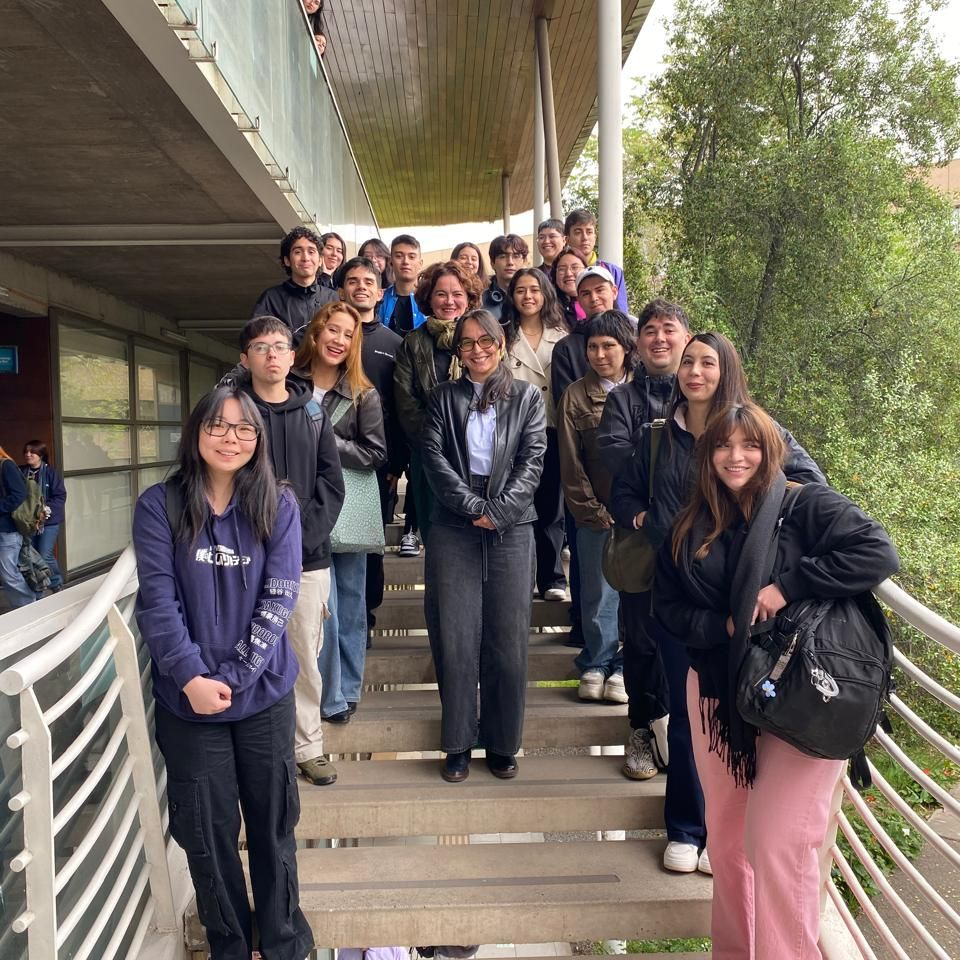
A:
(596, 271)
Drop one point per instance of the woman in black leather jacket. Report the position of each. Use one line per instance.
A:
(483, 445)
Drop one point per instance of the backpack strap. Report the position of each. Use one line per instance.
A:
(313, 410)
(656, 432)
(173, 502)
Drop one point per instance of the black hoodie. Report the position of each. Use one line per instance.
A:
(379, 356)
(296, 306)
(303, 451)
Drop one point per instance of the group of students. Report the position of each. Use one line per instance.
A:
(517, 408)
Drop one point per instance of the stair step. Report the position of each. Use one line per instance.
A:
(408, 798)
(407, 659)
(403, 610)
(408, 720)
(392, 533)
(402, 571)
(499, 893)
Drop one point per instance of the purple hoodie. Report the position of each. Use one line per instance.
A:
(218, 607)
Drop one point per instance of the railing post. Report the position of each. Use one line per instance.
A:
(140, 748)
(39, 920)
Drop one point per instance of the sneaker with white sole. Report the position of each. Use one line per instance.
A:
(661, 749)
(681, 857)
(591, 685)
(703, 864)
(555, 593)
(638, 756)
(614, 690)
(409, 545)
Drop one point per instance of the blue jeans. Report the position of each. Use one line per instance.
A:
(43, 543)
(18, 593)
(344, 649)
(599, 607)
(683, 805)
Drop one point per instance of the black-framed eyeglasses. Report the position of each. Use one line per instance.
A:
(484, 343)
(220, 428)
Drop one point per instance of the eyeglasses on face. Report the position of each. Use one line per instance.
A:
(218, 427)
(262, 349)
(484, 343)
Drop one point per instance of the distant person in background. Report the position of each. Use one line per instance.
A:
(333, 251)
(314, 10)
(13, 492)
(36, 467)
(534, 325)
(580, 232)
(567, 266)
(469, 257)
(549, 242)
(507, 255)
(376, 250)
(296, 300)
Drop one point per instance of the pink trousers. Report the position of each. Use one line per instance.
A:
(764, 844)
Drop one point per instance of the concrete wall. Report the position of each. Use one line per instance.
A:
(25, 397)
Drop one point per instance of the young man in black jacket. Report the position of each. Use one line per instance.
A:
(359, 286)
(296, 300)
(303, 451)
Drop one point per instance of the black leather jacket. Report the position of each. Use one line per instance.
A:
(414, 380)
(517, 457)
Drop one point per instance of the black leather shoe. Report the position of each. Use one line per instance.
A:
(456, 767)
(342, 717)
(351, 708)
(502, 765)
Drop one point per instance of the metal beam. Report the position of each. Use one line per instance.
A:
(140, 234)
(549, 118)
(214, 326)
(538, 152)
(505, 201)
(609, 133)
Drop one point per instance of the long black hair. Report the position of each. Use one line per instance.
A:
(498, 384)
(255, 487)
(551, 313)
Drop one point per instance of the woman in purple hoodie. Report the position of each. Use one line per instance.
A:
(218, 552)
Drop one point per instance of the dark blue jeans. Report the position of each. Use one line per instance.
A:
(215, 769)
(477, 607)
(683, 805)
(43, 543)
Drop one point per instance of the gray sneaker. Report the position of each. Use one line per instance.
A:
(638, 763)
(319, 771)
(409, 545)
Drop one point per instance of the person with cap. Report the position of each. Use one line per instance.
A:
(580, 232)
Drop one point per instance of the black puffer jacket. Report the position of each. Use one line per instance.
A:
(629, 406)
(493, 298)
(673, 478)
(296, 306)
(517, 457)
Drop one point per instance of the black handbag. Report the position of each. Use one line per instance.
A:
(629, 558)
(818, 673)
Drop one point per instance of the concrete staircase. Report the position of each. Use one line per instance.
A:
(421, 861)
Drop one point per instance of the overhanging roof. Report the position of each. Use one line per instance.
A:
(437, 98)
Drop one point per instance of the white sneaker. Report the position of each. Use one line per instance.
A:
(703, 864)
(591, 685)
(661, 750)
(638, 757)
(555, 593)
(614, 690)
(681, 857)
(409, 545)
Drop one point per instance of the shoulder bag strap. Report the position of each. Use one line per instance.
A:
(341, 407)
(656, 433)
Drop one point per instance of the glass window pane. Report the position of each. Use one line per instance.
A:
(99, 516)
(87, 446)
(94, 375)
(203, 378)
(150, 476)
(158, 385)
(157, 443)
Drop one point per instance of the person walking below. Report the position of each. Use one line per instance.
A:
(36, 467)
(218, 556)
(586, 488)
(534, 324)
(329, 356)
(483, 447)
(767, 804)
(13, 492)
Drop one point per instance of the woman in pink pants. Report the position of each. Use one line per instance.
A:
(767, 804)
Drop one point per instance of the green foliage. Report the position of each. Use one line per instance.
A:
(694, 945)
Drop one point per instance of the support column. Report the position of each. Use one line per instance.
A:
(505, 197)
(538, 154)
(609, 133)
(550, 117)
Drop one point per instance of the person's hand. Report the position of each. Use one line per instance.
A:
(47, 513)
(770, 601)
(639, 518)
(484, 522)
(207, 696)
(730, 626)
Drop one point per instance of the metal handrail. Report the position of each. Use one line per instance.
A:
(930, 624)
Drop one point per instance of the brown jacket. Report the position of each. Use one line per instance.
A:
(586, 481)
